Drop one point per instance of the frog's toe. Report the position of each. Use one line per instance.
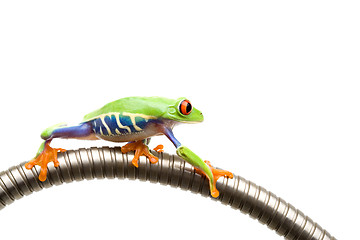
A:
(43, 173)
(29, 165)
(135, 162)
(151, 157)
(159, 148)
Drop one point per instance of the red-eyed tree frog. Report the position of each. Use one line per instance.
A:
(134, 120)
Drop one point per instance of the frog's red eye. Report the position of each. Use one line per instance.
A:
(185, 107)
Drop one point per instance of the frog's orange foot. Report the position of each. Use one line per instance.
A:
(159, 148)
(49, 154)
(140, 150)
(217, 173)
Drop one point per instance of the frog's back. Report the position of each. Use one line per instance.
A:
(151, 106)
(128, 119)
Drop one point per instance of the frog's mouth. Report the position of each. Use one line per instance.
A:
(196, 117)
(191, 122)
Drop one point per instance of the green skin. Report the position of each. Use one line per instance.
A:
(165, 111)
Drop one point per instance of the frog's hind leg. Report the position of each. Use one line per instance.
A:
(81, 131)
(48, 154)
(141, 149)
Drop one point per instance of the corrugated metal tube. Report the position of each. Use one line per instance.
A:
(239, 193)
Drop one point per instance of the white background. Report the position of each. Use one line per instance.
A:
(277, 81)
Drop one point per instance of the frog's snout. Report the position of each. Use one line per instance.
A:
(201, 117)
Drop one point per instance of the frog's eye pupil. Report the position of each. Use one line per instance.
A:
(185, 107)
(188, 108)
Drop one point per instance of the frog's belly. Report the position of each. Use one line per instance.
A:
(129, 136)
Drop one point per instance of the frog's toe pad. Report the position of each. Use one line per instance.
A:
(215, 193)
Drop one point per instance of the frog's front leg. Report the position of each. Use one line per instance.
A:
(48, 154)
(200, 166)
(141, 149)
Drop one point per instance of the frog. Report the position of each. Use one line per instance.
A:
(133, 120)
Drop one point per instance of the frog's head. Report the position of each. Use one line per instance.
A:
(183, 111)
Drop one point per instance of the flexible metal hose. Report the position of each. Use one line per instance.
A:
(239, 193)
